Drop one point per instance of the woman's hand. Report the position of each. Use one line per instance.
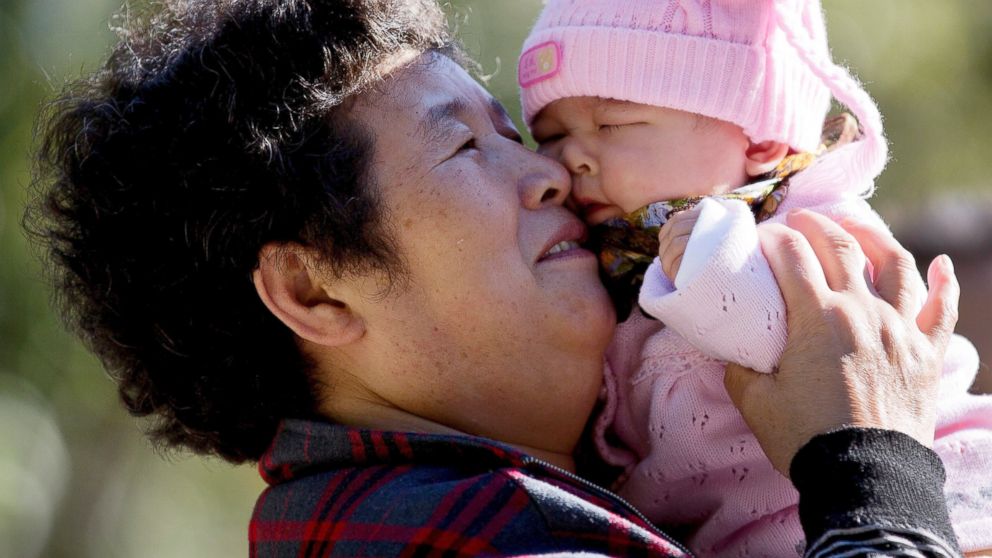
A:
(858, 353)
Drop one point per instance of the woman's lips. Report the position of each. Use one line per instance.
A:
(566, 241)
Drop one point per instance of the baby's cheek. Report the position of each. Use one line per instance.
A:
(635, 185)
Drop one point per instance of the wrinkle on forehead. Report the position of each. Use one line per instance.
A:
(396, 69)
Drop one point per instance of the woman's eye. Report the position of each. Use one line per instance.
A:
(470, 144)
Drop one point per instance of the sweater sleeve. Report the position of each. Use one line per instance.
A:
(963, 440)
(725, 301)
(866, 492)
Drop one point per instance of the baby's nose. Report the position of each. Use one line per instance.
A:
(577, 159)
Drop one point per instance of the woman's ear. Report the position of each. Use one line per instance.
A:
(764, 157)
(312, 304)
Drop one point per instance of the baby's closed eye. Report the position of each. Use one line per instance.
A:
(617, 126)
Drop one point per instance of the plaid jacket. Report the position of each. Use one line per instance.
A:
(338, 491)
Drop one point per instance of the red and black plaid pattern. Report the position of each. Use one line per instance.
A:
(339, 491)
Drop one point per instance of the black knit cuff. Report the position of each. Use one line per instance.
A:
(859, 477)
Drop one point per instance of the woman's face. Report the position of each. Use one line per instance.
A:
(500, 328)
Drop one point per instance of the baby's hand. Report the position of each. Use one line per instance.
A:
(673, 238)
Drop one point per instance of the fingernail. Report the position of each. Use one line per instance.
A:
(945, 260)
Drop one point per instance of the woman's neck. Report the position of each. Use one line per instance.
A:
(384, 417)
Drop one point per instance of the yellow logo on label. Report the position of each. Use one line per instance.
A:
(546, 59)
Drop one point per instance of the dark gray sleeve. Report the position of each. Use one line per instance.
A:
(867, 492)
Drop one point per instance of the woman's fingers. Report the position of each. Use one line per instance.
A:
(797, 271)
(840, 256)
(940, 311)
(849, 359)
(897, 280)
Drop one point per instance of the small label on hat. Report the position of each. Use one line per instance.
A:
(539, 63)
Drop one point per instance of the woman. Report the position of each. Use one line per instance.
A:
(298, 232)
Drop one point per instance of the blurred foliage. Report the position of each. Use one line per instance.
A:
(76, 477)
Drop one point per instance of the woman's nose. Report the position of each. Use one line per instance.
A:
(547, 183)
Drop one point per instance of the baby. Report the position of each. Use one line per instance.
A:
(717, 106)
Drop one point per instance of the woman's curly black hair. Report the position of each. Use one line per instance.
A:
(214, 128)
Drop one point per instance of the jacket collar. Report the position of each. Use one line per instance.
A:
(303, 447)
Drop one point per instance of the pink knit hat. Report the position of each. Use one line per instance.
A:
(761, 64)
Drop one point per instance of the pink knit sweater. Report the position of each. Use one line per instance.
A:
(669, 422)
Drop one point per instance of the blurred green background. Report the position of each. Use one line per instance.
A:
(77, 478)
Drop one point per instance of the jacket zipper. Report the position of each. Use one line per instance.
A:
(528, 461)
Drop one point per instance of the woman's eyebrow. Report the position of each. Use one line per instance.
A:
(432, 127)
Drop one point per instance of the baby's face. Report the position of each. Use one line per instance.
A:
(623, 156)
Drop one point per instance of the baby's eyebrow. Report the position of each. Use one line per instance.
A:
(613, 105)
(541, 130)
